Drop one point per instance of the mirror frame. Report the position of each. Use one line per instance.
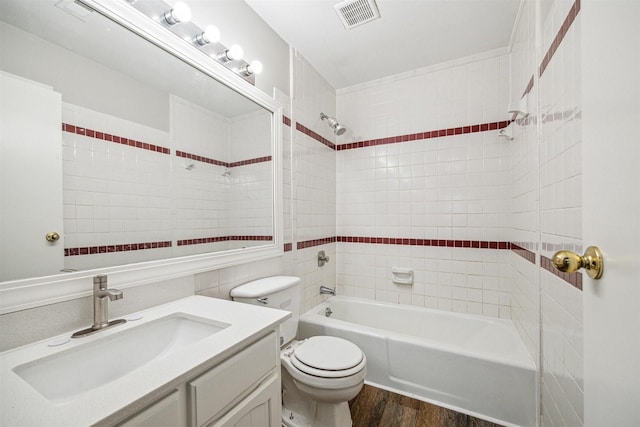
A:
(22, 294)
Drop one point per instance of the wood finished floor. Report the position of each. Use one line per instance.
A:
(374, 407)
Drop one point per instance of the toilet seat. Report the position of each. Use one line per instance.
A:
(328, 357)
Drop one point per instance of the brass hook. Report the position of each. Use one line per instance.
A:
(570, 262)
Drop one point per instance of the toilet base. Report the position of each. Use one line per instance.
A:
(308, 412)
(293, 419)
(337, 417)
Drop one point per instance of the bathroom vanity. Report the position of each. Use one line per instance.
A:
(194, 362)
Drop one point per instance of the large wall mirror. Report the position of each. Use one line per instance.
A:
(146, 159)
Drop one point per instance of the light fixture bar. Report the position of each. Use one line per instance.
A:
(177, 18)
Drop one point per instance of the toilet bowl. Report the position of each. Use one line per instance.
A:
(319, 374)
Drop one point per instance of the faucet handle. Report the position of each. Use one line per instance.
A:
(100, 282)
(322, 258)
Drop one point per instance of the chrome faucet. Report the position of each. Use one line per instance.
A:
(327, 291)
(101, 297)
(322, 258)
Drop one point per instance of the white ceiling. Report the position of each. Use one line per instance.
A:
(410, 34)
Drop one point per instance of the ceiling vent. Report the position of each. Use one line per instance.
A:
(356, 12)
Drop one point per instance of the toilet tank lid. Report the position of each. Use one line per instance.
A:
(264, 286)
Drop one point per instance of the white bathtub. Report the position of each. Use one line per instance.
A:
(472, 364)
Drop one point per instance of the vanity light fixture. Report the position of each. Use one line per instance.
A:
(180, 12)
(254, 68)
(211, 34)
(234, 53)
(207, 40)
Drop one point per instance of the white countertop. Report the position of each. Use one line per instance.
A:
(21, 405)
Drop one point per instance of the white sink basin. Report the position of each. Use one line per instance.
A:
(82, 368)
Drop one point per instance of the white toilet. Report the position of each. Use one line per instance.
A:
(319, 374)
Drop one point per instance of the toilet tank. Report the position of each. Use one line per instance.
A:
(281, 292)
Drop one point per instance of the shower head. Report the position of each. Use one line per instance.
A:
(338, 129)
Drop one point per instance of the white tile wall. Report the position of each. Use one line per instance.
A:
(546, 206)
(313, 179)
(464, 280)
(463, 92)
(524, 180)
(287, 137)
(116, 194)
(561, 222)
(249, 136)
(453, 187)
(251, 200)
(113, 193)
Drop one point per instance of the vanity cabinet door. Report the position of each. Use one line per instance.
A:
(214, 392)
(164, 413)
(260, 409)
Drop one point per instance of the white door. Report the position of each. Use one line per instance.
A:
(611, 219)
(30, 178)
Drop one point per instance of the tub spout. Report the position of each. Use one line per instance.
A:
(327, 291)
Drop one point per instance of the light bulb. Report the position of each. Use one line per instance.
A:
(179, 13)
(255, 67)
(235, 53)
(211, 34)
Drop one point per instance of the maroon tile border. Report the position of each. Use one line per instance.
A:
(555, 44)
(524, 253)
(250, 161)
(288, 247)
(528, 88)
(91, 250)
(315, 242)
(203, 240)
(211, 161)
(202, 159)
(286, 120)
(91, 133)
(482, 127)
(480, 244)
(564, 28)
(574, 279)
(256, 237)
(317, 137)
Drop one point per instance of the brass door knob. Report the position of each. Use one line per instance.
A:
(52, 236)
(570, 262)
